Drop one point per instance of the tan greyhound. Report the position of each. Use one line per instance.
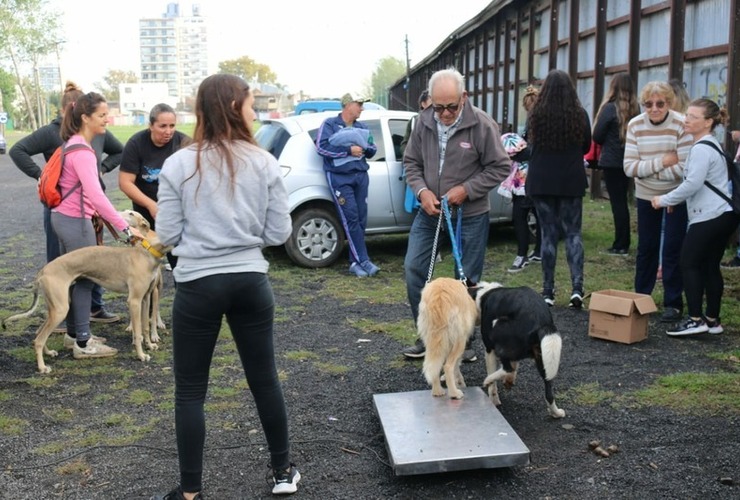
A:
(133, 269)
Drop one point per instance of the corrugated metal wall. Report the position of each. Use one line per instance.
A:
(514, 43)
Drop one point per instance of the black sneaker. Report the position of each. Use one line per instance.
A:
(103, 316)
(469, 354)
(732, 264)
(549, 299)
(622, 252)
(415, 351)
(576, 299)
(285, 481)
(670, 315)
(520, 262)
(175, 494)
(688, 327)
(534, 257)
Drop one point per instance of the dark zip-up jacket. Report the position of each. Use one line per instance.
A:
(47, 139)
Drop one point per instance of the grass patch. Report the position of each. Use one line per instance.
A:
(402, 331)
(695, 393)
(588, 394)
(332, 368)
(77, 467)
(58, 415)
(140, 397)
(301, 355)
(12, 426)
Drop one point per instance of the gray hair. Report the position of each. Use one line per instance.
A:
(158, 109)
(447, 74)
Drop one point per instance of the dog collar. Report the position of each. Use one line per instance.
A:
(148, 246)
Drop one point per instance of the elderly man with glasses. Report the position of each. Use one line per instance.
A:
(454, 151)
(655, 153)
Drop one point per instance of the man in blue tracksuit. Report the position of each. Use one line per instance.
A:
(345, 143)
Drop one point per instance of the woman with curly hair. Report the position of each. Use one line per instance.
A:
(610, 131)
(560, 134)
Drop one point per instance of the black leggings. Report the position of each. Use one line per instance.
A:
(521, 207)
(701, 254)
(247, 301)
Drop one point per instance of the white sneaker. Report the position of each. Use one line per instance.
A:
(93, 350)
(69, 342)
(285, 481)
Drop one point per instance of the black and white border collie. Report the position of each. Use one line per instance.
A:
(516, 324)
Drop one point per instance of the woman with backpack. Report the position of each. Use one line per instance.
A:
(711, 219)
(84, 119)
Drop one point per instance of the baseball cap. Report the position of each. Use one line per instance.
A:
(347, 98)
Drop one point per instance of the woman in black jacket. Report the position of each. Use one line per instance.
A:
(560, 134)
(617, 109)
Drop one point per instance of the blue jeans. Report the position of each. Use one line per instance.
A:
(649, 224)
(560, 215)
(247, 302)
(474, 236)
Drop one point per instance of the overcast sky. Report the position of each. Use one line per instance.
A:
(323, 47)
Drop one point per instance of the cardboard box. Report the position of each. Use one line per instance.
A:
(619, 316)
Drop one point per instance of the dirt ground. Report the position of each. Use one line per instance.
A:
(104, 429)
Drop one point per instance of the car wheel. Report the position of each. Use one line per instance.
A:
(317, 238)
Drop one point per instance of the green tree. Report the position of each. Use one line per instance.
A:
(109, 86)
(29, 30)
(249, 69)
(8, 91)
(387, 72)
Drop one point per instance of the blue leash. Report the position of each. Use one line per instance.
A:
(455, 236)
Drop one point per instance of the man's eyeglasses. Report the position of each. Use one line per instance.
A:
(658, 104)
(439, 108)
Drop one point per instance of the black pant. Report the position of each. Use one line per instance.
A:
(521, 208)
(247, 301)
(617, 184)
(701, 254)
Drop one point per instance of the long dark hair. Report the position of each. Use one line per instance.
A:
(623, 94)
(219, 120)
(557, 117)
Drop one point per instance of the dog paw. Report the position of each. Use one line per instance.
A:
(495, 400)
(44, 370)
(152, 346)
(145, 358)
(52, 354)
(438, 393)
(457, 395)
(155, 338)
(556, 412)
(129, 328)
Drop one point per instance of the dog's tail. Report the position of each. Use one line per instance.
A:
(551, 345)
(26, 313)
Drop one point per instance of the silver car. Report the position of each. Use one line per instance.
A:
(317, 239)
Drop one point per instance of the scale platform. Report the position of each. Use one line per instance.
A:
(424, 434)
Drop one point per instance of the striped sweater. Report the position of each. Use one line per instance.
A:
(645, 146)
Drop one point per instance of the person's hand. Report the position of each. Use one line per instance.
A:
(356, 150)
(670, 159)
(457, 195)
(735, 135)
(655, 202)
(429, 202)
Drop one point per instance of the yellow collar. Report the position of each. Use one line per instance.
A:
(148, 246)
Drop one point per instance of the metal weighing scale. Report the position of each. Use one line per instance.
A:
(426, 434)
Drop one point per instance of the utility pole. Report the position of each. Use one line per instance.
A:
(408, 74)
